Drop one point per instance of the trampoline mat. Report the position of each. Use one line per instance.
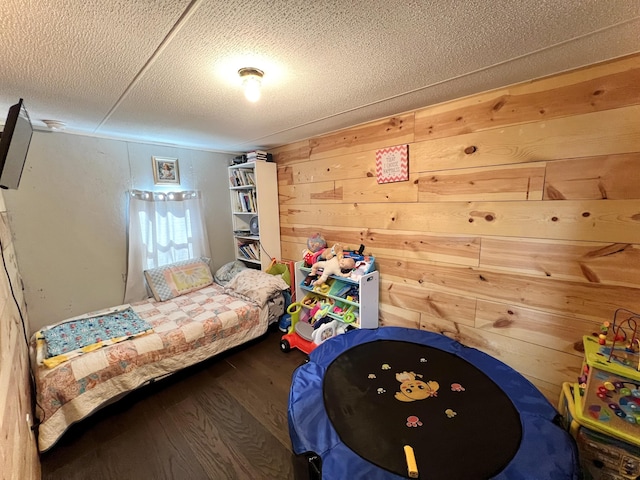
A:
(385, 394)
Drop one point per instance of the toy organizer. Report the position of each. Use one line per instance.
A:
(336, 299)
(608, 397)
(352, 301)
(602, 457)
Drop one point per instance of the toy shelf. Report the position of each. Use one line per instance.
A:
(329, 295)
(365, 308)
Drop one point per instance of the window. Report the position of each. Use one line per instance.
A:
(163, 228)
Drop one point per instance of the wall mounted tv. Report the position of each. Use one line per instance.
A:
(14, 145)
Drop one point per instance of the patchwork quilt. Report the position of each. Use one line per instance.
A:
(185, 330)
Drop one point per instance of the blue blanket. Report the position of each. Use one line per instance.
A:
(76, 334)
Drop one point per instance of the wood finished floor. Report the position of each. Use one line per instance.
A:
(225, 418)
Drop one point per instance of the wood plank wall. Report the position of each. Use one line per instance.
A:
(519, 228)
(18, 452)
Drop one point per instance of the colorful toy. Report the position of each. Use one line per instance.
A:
(300, 333)
(608, 397)
(315, 243)
(320, 312)
(334, 266)
(310, 257)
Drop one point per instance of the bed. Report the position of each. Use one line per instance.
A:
(149, 340)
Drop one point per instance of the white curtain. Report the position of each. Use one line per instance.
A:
(163, 228)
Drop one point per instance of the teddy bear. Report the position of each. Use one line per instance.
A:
(334, 266)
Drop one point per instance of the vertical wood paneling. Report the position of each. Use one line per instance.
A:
(18, 453)
(519, 229)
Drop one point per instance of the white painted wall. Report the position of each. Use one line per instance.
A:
(69, 217)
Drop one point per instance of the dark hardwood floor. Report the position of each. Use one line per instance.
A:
(225, 418)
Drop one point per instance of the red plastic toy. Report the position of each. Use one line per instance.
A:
(299, 334)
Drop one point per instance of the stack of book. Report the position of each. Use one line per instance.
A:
(259, 155)
(249, 250)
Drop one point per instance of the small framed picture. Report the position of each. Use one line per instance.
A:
(165, 170)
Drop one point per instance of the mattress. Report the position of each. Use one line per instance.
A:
(185, 330)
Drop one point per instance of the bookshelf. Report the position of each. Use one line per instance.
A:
(253, 190)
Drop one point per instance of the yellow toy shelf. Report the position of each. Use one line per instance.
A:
(602, 456)
(610, 401)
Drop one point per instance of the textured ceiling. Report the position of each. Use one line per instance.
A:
(166, 70)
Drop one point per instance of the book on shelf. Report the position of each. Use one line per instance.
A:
(246, 202)
(241, 177)
(249, 250)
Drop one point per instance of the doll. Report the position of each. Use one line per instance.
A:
(311, 257)
(333, 266)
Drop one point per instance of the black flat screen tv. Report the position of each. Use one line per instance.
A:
(14, 145)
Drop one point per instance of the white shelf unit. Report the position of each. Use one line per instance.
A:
(253, 189)
(368, 294)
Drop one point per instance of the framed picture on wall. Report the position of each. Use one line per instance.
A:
(165, 170)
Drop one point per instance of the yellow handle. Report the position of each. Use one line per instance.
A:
(412, 466)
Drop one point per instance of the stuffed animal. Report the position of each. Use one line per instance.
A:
(333, 266)
(335, 251)
(311, 257)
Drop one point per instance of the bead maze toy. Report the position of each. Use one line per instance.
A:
(608, 397)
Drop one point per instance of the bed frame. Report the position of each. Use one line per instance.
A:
(186, 330)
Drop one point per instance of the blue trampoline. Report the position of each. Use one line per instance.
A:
(367, 394)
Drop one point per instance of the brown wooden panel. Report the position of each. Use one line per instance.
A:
(600, 133)
(368, 189)
(18, 451)
(559, 332)
(508, 182)
(605, 87)
(319, 192)
(387, 132)
(430, 303)
(614, 177)
(391, 316)
(341, 167)
(615, 221)
(606, 263)
(456, 249)
(292, 153)
(558, 266)
(349, 238)
(595, 302)
(292, 251)
(527, 358)
(285, 175)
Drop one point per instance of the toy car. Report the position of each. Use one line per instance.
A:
(300, 333)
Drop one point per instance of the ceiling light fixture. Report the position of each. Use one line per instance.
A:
(251, 82)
